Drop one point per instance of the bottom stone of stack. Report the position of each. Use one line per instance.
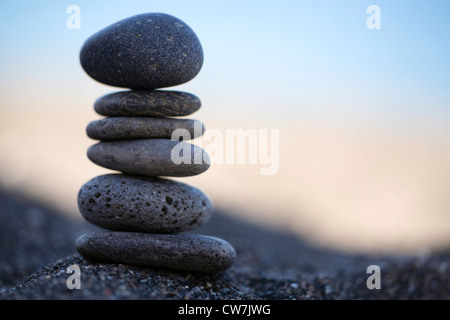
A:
(186, 252)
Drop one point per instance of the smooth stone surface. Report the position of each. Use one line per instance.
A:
(132, 203)
(194, 253)
(150, 157)
(146, 51)
(122, 128)
(147, 103)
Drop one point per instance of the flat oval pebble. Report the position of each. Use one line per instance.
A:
(147, 103)
(121, 128)
(150, 157)
(193, 253)
(154, 205)
(146, 51)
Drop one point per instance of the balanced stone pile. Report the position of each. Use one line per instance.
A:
(144, 211)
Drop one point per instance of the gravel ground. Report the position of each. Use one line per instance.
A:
(37, 246)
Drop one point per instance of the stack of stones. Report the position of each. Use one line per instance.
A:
(145, 212)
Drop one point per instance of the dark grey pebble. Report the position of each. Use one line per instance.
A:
(147, 103)
(123, 128)
(132, 203)
(194, 253)
(146, 51)
(150, 157)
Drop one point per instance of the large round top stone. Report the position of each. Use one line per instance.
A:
(146, 51)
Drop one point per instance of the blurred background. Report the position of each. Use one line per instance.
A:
(363, 114)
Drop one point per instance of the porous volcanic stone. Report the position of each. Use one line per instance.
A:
(150, 157)
(123, 128)
(147, 103)
(195, 253)
(146, 51)
(132, 203)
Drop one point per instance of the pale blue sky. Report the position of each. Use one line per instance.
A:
(280, 59)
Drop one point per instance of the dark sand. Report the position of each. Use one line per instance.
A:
(37, 245)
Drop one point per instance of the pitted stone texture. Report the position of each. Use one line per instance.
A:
(147, 103)
(150, 157)
(194, 253)
(146, 51)
(154, 205)
(123, 128)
